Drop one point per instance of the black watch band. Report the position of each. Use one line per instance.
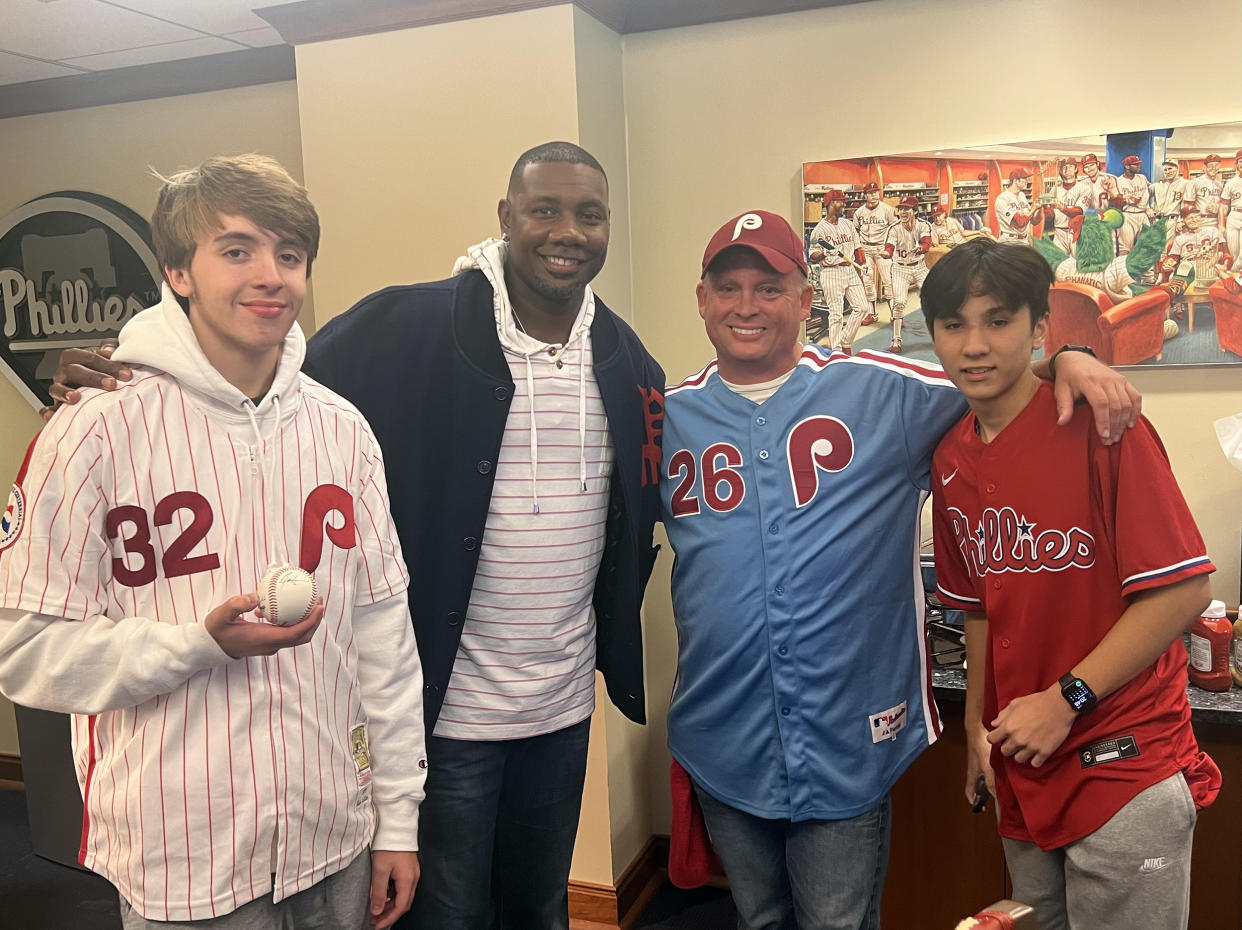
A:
(1052, 359)
(1077, 693)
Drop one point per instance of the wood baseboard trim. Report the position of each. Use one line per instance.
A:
(595, 907)
(11, 769)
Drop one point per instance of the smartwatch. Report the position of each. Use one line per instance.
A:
(1077, 693)
(1052, 360)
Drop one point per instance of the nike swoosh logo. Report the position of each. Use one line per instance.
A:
(945, 480)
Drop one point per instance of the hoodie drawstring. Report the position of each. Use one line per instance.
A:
(582, 420)
(534, 434)
(268, 469)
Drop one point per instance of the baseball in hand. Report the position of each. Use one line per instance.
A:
(286, 595)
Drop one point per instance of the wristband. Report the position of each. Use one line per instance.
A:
(1052, 359)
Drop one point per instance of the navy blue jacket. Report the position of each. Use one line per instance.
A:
(424, 365)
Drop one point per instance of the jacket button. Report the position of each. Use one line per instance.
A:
(431, 689)
(501, 393)
(484, 467)
(470, 544)
(454, 618)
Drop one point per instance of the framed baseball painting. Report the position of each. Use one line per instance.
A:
(1142, 230)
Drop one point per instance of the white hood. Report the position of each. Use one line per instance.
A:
(160, 337)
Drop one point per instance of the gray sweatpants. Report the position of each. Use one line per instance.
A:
(1132, 872)
(339, 902)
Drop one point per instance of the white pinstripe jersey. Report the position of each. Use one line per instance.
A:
(1203, 193)
(1135, 191)
(1231, 200)
(139, 503)
(906, 242)
(1009, 206)
(841, 235)
(1168, 196)
(872, 224)
(1077, 195)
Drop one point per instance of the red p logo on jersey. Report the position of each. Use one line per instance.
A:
(816, 444)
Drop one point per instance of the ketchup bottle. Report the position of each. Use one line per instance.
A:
(1210, 638)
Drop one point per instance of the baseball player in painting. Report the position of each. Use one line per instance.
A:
(1013, 208)
(1167, 196)
(945, 229)
(1230, 221)
(1136, 196)
(1071, 198)
(1204, 192)
(835, 248)
(231, 770)
(801, 694)
(1076, 709)
(1103, 186)
(906, 247)
(872, 220)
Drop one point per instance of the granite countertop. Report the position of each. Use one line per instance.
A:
(949, 684)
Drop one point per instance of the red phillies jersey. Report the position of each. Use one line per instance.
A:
(1048, 532)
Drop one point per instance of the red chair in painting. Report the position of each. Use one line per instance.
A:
(1227, 306)
(1126, 333)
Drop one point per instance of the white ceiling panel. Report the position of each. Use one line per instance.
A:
(14, 69)
(72, 28)
(215, 16)
(170, 51)
(257, 38)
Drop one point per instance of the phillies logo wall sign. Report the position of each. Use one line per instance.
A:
(74, 267)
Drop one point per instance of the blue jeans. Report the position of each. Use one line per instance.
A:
(496, 832)
(809, 874)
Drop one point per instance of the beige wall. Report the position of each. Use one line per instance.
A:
(408, 138)
(721, 117)
(107, 150)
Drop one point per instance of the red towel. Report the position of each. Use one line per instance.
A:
(691, 860)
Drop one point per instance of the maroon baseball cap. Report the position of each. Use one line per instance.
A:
(911, 202)
(1019, 173)
(871, 186)
(940, 210)
(1090, 159)
(1215, 158)
(834, 194)
(765, 233)
(1131, 160)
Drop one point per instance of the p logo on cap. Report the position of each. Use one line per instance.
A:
(747, 221)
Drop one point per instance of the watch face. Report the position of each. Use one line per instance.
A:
(1077, 693)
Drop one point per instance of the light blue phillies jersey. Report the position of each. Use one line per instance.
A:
(803, 683)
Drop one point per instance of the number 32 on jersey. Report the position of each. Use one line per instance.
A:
(129, 526)
(715, 477)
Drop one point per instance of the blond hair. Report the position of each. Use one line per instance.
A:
(191, 202)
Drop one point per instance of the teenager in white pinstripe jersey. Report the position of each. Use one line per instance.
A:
(227, 766)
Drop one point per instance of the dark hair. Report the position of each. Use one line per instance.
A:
(553, 152)
(1011, 273)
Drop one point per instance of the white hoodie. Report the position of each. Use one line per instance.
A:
(139, 511)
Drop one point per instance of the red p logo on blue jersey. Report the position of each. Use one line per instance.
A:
(816, 444)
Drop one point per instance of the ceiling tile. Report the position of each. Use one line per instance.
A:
(257, 38)
(72, 28)
(171, 51)
(215, 16)
(15, 69)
